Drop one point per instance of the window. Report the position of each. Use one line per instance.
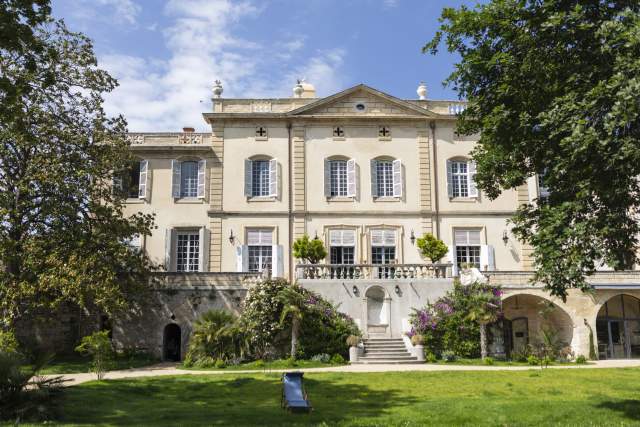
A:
(543, 190)
(187, 251)
(338, 132)
(133, 181)
(467, 246)
(384, 170)
(384, 132)
(260, 250)
(338, 178)
(189, 179)
(134, 243)
(260, 178)
(461, 178)
(342, 251)
(261, 132)
(383, 251)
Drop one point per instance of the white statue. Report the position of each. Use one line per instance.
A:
(471, 275)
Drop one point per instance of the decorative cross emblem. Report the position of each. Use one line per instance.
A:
(260, 131)
(338, 131)
(384, 131)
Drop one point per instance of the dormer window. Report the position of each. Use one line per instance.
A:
(261, 133)
(384, 132)
(338, 132)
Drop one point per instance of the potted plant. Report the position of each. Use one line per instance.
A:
(431, 247)
(418, 347)
(352, 342)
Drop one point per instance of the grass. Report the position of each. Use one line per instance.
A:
(258, 366)
(480, 362)
(512, 398)
(73, 364)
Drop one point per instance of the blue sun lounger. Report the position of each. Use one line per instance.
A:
(294, 397)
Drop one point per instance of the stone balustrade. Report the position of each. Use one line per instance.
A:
(168, 138)
(227, 280)
(372, 271)
(598, 279)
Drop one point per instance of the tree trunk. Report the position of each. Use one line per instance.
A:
(294, 336)
(483, 340)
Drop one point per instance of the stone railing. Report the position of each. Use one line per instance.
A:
(598, 279)
(372, 271)
(204, 280)
(167, 138)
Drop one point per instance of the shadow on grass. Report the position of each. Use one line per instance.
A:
(630, 408)
(222, 400)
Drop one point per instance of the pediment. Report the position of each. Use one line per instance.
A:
(351, 102)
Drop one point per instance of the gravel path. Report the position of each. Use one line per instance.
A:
(171, 369)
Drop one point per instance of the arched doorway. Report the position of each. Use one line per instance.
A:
(618, 328)
(377, 305)
(531, 319)
(171, 342)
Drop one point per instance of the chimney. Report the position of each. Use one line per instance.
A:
(188, 130)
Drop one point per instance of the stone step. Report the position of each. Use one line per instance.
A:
(386, 350)
(367, 344)
(384, 340)
(394, 348)
(374, 355)
(387, 362)
(394, 357)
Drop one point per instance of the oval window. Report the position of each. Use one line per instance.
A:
(360, 107)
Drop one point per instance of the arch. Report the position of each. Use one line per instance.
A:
(172, 342)
(377, 303)
(260, 157)
(532, 319)
(337, 157)
(618, 327)
(384, 158)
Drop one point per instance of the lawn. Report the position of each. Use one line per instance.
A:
(533, 397)
(71, 364)
(265, 366)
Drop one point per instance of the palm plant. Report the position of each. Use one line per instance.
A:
(217, 335)
(293, 307)
(484, 311)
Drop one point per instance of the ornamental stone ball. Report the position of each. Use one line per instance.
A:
(422, 91)
(217, 89)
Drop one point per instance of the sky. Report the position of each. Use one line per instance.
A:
(166, 55)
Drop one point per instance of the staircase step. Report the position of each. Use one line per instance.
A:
(394, 357)
(387, 362)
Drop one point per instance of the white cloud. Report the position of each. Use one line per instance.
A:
(127, 10)
(167, 94)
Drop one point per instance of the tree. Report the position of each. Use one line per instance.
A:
(293, 308)
(432, 247)
(98, 346)
(62, 229)
(552, 89)
(483, 310)
(311, 251)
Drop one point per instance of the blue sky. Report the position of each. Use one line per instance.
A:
(166, 54)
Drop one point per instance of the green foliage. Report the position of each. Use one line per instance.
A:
(98, 346)
(449, 356)
(217, 335)
(431, 358)
(452, 322)
(581, 360)
(220, 364)
(431, 247)
(24, 395)
(291, 362)
(337, 359)
(593, 354)
(8, 342)
(322, 357)
(533, 360)
(61, 226)
(488, 361)
(552, 91)
(309, 250)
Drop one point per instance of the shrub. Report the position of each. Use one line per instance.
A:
(24, 395)
(259, 363)
(488, 361)
(581, 359)
(98, 346)
(220, 364)
(566, 354)
(337, 359)
(449, 356)
(546, 361)
(533, 360)
(203, 362)
(309, 250)
(431, 247)
(322, 357)
(417, 339)
(217, 334)
(353, 340)
(291, 362)
(8, 342)
(431, 358)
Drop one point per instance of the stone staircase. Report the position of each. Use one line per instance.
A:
(386, 351)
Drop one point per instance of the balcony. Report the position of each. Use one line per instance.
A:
(629, 279)
(373, 271)
(208, 280)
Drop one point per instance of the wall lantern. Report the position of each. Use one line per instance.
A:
(316, 236)
(505, 237)
(397, 289)
(413, 238)
(355, 290)
(232, 238)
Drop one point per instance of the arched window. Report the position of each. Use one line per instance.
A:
(188, 178)
(340, 177)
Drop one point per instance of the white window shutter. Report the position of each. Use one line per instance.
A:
(248, 178)
(327, 178)
(143, 177)
(277, 261)
(491, 258)
(451, 257)
(348, 237)
(484, 257)
(397, 178)
(449, 179)
(202, 174)
(242, 258)
(273, 178)
(169, 243)
(377, 237)
(389, 237)
(471, 177)
(352, 183)
(335, 237)
(374, 178)
(175, 178)
(203, 261)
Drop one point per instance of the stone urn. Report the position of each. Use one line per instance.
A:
(353, 354)
(418, 352)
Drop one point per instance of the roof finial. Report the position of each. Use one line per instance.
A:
(217, 89)
(422, 91)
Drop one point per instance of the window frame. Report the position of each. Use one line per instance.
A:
(384, 181)
(190, 255)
